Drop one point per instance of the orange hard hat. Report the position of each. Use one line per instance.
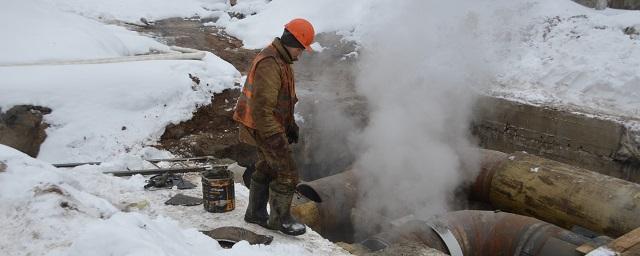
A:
(302, 30)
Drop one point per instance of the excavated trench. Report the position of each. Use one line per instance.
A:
(212, 131)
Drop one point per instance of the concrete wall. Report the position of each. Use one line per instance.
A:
(600, 145)
(625, 4)
(617, 4)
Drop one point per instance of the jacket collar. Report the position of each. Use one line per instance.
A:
(284, 53)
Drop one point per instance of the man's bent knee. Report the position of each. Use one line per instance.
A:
(285, 182)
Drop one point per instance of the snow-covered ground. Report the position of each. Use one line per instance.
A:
(577, 58)
(133, 10)
(50, 211)
(111, 113)
(549, 52)
(99, 110)
(326, 16)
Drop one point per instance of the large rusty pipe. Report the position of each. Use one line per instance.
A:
(486, 233)
(558, 193)
(520, 183)
(333, 199)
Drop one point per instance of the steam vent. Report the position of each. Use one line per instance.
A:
(320, 127)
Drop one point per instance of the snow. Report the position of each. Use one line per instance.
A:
(111, 113)
(56, 35)
(577, 58)
(562, 54)
(100, 111)
(133, 10)
(49, 211)
(259, 30)
(556, 53)
(103, 110)
(602, 251)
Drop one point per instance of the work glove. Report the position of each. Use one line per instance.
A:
(293, 132)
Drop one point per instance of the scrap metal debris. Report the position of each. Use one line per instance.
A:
(168, 180)
(184, 200)
(228, 236)
(136, 206)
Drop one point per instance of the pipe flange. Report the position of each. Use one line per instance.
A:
(447, 237)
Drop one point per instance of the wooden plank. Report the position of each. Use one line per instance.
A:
(585, 248)
(623, 243)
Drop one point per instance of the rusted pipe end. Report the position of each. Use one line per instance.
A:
(308, 192)
(491, 160)
(339, 187)
(309, 214)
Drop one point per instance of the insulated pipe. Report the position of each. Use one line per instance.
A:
(487, 233)
(558, 193)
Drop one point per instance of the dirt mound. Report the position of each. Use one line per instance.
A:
(22, 128)
(192, 33)
(211, 131)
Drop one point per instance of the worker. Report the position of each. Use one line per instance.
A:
(265, 115)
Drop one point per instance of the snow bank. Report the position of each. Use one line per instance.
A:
(49, 211)
(326, 16)
(36, 32)
(549, 52)
(102, 110)
(133, 10)
(576, 57)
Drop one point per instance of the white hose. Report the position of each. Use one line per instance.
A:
(194, 55)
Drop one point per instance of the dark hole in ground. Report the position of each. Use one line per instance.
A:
(226, 244)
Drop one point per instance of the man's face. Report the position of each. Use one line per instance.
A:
(295, 52)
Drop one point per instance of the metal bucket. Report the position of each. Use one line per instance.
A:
(218, 192)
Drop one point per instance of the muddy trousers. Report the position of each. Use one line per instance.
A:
(276, 168)
(276, 171)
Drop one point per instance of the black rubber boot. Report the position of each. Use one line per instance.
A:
(248, 173)
(280, 218)
(258, 197)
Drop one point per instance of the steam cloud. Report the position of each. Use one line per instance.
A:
(420, 64)
(418, 68)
